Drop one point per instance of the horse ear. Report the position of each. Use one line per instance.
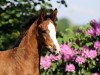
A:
(41, 16)
(53, 14)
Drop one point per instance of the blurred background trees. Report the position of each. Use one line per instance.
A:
(14, 14)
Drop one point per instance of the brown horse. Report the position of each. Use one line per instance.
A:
(24, 59)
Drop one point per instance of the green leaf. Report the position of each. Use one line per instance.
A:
(89, 44)
(12, 12)
(6, 16)
(10, 20)
(18, 15)
(54, 66)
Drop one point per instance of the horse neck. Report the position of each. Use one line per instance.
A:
(28, 49)
(29, 41)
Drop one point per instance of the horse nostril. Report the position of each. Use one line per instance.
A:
(55, 49)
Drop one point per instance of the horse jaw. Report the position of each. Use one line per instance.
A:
(52, 34)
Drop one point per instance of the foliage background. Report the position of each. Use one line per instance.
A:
(14, 14)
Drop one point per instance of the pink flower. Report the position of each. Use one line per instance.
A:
(64, 48)
(75, 51)
(98, 30)
(95, 26)
(92, 54)
(80, 60)
(55, 58)
(70, 68)
(67, 52)
(91, 31)
(45, 62)
(96, 74)
(97, 44)
(93, 23)
(87, 53)
(84, 52)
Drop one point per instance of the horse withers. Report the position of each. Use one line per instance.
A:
(24, 59)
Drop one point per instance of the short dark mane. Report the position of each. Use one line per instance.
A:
(26, 26)
(31, 21)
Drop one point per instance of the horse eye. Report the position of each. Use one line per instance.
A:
(43, 31)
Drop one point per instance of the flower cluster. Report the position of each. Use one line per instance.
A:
(45, 61)
(70, 68)
(80, 60)
(97, 44)
(66, 52)
(88, 53)
(95, 28)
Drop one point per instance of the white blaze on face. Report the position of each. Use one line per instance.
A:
(52, 33)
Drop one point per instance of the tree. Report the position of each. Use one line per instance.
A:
(14, 14)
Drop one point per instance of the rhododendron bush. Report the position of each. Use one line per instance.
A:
(78, 56)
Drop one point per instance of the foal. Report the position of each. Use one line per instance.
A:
(24, 59)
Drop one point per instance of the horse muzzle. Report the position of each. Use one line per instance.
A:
(54, 49)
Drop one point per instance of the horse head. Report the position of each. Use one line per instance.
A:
(47, 31)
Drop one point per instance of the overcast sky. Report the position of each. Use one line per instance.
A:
(79, 11)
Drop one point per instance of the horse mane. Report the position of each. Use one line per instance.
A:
(26, 26)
